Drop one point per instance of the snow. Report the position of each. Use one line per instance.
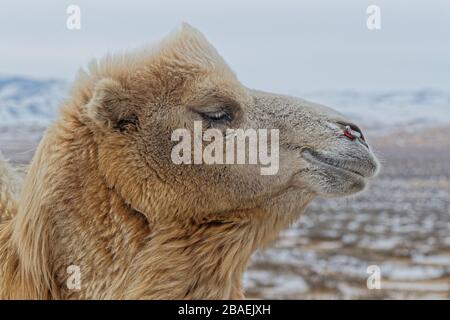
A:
(27, 101)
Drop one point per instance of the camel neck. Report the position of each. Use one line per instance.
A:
(196, 261)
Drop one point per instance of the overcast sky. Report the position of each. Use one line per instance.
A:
(284, 46)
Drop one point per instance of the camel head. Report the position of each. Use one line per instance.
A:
(129, 185)
(139, 101)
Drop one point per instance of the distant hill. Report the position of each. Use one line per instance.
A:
(381, 112)
(29, 101)
(34, 101)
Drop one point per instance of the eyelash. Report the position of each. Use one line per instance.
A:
(217, 116)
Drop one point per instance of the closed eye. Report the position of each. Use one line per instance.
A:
(219, 116)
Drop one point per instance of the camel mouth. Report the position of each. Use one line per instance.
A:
(347, 166)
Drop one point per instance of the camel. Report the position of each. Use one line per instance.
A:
(102, 193)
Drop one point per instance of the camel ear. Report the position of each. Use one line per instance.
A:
(109, 105)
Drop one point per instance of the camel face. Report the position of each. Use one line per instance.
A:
(331, 155)
(134, 111)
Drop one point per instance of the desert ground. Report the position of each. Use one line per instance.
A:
(401, 224)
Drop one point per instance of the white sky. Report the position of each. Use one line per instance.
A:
(279, 45)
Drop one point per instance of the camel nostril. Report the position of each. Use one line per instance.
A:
(352, 129)
(352, 132)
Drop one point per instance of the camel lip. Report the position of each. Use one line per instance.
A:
(341, 164)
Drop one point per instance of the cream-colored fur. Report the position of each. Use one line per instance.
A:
(10, 181)
(103, 194)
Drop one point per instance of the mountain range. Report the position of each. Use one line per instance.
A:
(25, 101)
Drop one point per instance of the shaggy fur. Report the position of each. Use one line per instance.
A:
(9, 189)
(103, 194)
